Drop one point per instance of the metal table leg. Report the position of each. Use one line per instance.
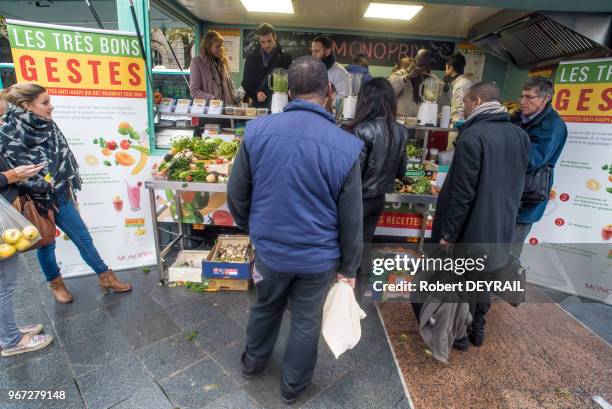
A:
(179, 214)
(160, 264)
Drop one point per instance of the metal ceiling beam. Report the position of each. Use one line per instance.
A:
(543, 5)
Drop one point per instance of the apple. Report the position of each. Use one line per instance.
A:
(30, 232)
(7, 250)
(606, 232)
(23, 244)
(11, 236)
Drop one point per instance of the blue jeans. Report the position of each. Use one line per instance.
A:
(69, 220)
(9, 332)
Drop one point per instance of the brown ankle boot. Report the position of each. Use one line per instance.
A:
(59, 291)
(109, 281)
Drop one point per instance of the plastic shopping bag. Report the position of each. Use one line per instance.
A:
(16, 232)
(341, 316)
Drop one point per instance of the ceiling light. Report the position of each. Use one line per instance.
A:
(268, 6)
(392, 11)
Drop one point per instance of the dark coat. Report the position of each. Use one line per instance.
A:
(255, 77)
(383, 156)
(480, 198)
(547, 135)
(9, 191)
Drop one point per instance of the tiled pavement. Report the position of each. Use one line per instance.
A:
(165, 348)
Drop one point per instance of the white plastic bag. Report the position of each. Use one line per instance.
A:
(16, 232)
(341, 316)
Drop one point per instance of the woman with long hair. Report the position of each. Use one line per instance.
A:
(209, 76)
(29, 136)
(383, 158)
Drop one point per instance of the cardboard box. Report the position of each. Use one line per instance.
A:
(192, 272)
(224, 269)
(227, 284)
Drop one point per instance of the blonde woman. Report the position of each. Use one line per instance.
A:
(29, 136)
(209, 76)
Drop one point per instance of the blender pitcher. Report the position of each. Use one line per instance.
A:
(350, 101)
(279, 84)
(428, 109)
(278, 81)
(430, 89)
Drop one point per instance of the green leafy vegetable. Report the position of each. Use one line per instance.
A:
(413, 151)
(176, 167)
(228, 149)
(422, 186)
(203, 149)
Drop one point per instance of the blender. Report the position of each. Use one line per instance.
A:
(279, 84)
(429, 91)
(350, 101)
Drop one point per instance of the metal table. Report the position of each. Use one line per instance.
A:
(173, 116)
(178, 187)
(423, 203)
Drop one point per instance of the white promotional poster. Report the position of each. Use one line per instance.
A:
(570, 248)
(231, 43)
(474, 58)
(97, 83)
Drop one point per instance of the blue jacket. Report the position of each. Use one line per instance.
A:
(360, 69)
(547, 135)
(296, 187)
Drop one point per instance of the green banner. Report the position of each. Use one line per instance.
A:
(592, 72)
(74, 42)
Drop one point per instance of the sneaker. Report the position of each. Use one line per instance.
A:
(33, 329)
(35, 343)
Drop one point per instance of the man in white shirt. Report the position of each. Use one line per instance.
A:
(321, 49)
(458, 84)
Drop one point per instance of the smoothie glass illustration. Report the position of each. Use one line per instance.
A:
(118, 203)
(133, 192)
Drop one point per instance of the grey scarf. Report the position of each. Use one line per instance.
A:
(26, 138)
(492, 107)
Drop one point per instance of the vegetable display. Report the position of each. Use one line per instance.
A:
(413, 151)
(191, 158)
(418, 186)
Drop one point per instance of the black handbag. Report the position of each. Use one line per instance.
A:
(537, 186)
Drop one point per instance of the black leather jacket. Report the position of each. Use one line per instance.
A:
(383, 157)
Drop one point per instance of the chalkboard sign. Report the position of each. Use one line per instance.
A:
(381, 51)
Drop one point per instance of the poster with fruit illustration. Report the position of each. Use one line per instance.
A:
(97, 84)
(570, 248)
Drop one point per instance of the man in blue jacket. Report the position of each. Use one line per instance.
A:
(547, 135)
(296, 188)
